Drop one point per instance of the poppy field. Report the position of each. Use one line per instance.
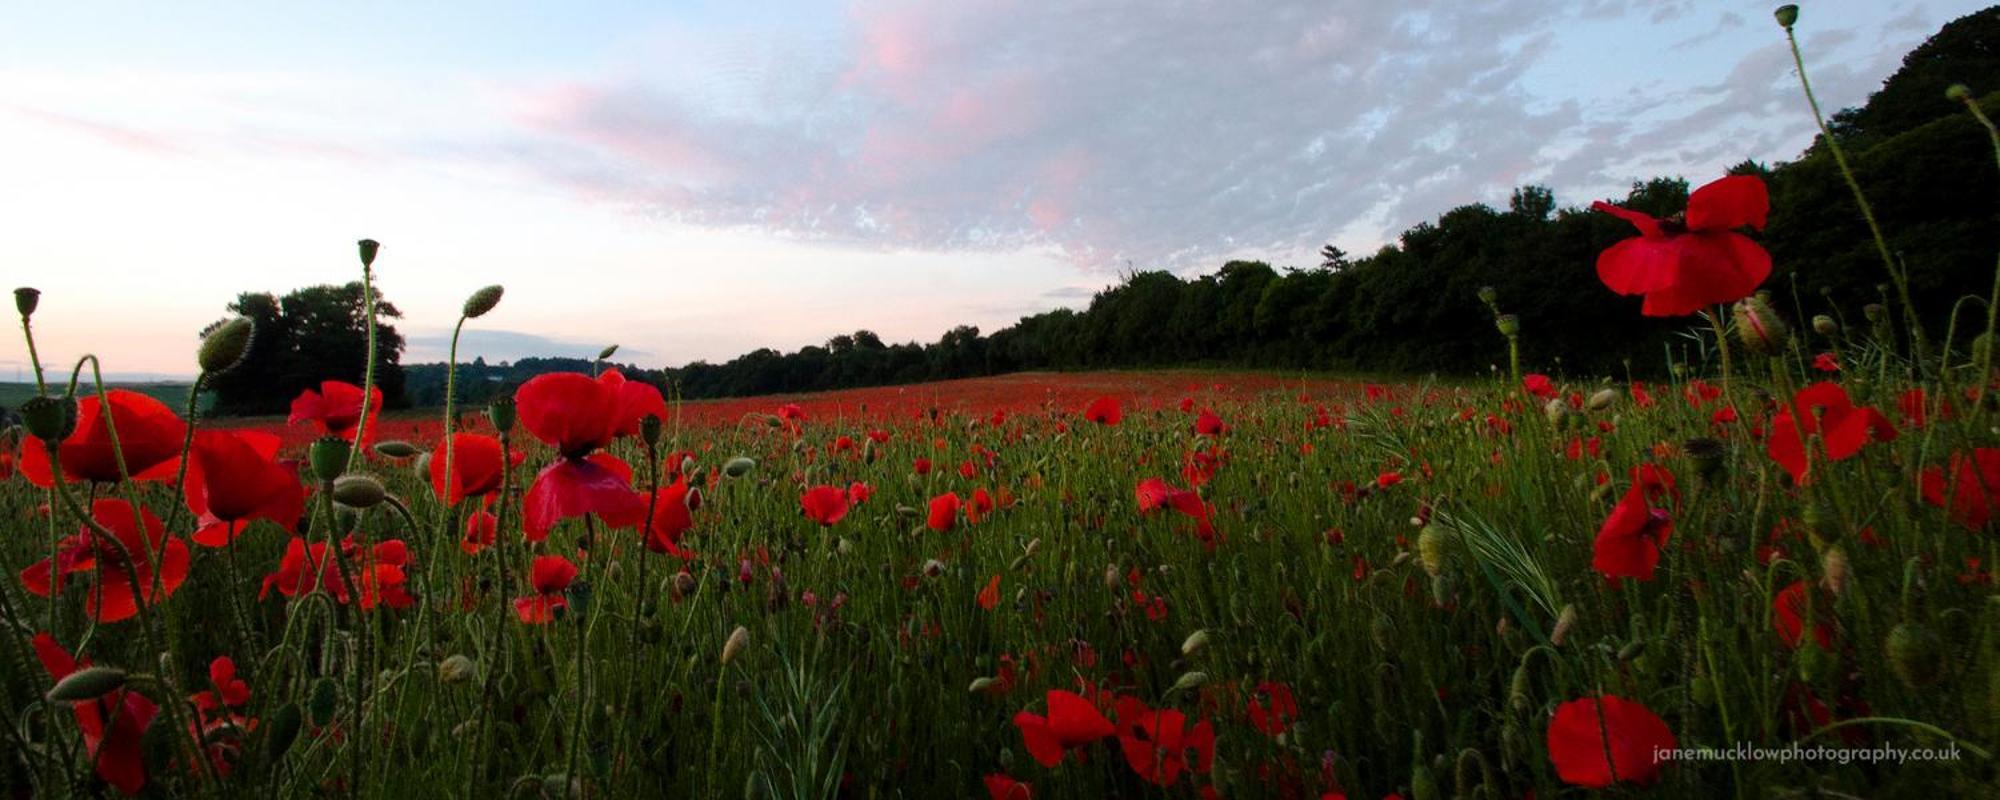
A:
(1764, 567)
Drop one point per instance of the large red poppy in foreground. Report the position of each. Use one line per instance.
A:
(114, 726)
(1684, 265)
(235, 477)
(336, 407)
(576, 415)
(1584, 730)
(120, 582)
(148, 431)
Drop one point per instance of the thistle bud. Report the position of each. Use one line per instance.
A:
(328, 456)
(1195, 643)
(1488, 295)
(1602, 399)
(738, 639)
(225, 346)
(26, 299)
(501, 412)
(359, 491)
(1915, 653)
(368, 249)
(397, 448)
(482, 301)
(456, 669)
(649, 429)
(50, 419)
(1758, 325)
(1787, 14)
(88, 683)
(1824, 325)
(1508, 324)
(607, 352)
(739, 466)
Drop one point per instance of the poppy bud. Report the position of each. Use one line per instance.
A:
(1758, 325)
(482, 301)
(607, 352)
(1433, 546)
(1488, 295)
(933, 568)
(88, 683)
(283, 730)
(649, 429)
(397, 448)
(50, 419)
(322, 701)
(1556, 409)
(1875, 312)
(682, 585)
(984, 686)
(1787, 14)
(359, 491)
(1824, 325)
(739, 466)
(1602, 399)
(328, 456)
(1519, 687)
(738, 639)
(1508, 324)
(1190, 680)
(1112, 580)
(501, 412)
(1958, 93)
(1195, 642)
(223, 347)
(1915, 653)
(1837, 573)
(456, 669)
(1565, 622)
(26, 299)
(368, 249)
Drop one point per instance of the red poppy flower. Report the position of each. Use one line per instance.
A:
(1974, 484)
(235, 477)
(120, 583)
(337, 408)
(1628, 545)
(1154, 494)
(1157, 742)
(943, 512)
(1104, 411)
(1072, 722)
(379, 572)
(576, 415)
(672, 517)
(476, 467)
(1826, 362)
(858, 493)
(1825, 409)
(229, 690)
(481, 529)
(1539, 385)
(920, 465)
(825, 505)
(1209, 423)
(990, 596)
(550, 576)
(114, 726)
(148, 431)
(1001, 787)
(1682, 266)
(1279, 713)
(1584, 730)
(1789, 617)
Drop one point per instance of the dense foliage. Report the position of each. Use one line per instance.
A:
(310, 335)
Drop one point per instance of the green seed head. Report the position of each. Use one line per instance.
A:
(1788, 15)
(368, 247)
(1508, 324)
(501, 412)
(50, 419)
(26, 299)
(328, 456)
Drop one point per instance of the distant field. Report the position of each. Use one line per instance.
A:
(173, 394)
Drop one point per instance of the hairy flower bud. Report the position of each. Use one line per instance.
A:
(1565, 622)
(283, 730)
(359, 491)
(1824, 325)
(739, 466)
(368, 249)
(456, 669)
(1758, 325)
(1958, 93)
(397, 448)
(1433, 546)
(1602, 399)
(482, 301)
(1787, 14)
(1190, 680)
(26, 299)
(607, 352)
(328, 457)
(225, 346)
(88, 683)
(1875, 312)
(50, 419)
(1195, 643)
(738, 639)
(1915, 653)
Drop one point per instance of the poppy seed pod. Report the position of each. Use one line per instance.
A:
(88, 683)
(738, 639)
(1508, 324)
(482, 301)
(1787, 14)
(1958, 93)
(359, 491)
(1707, 456)
(1824, 325)
(1758, 326)
(225, 346)
(1488, 295)
(50, 419)
(501, 412)
(26, 299)
(369, 247)
(328, 457)
(649, 429)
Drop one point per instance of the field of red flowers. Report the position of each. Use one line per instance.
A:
(1769, 573)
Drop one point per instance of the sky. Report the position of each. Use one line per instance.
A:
(694, 180)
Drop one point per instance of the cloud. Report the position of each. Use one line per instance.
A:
(502, 345)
